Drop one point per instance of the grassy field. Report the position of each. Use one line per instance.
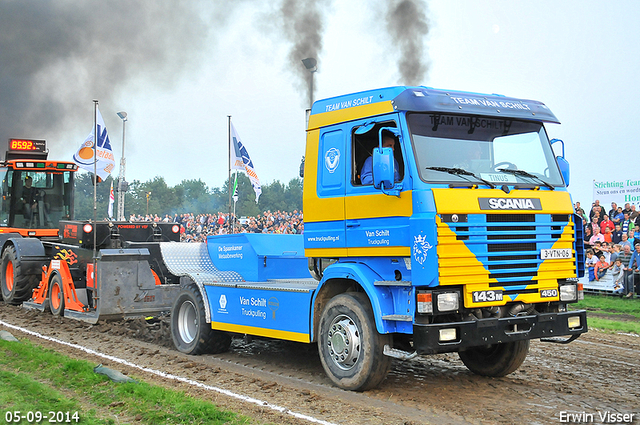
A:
(41, 383)
(611, 313)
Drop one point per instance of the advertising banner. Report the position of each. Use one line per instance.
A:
(619, 191)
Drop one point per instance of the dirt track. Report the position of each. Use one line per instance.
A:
(599, 372)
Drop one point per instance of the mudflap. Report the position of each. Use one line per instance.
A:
(125, 286)
(35, 306)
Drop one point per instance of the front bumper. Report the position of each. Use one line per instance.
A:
(426, 338)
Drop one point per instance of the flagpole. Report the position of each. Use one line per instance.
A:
(95, 176)
(235, 199)
(229, 178)
(233, 229)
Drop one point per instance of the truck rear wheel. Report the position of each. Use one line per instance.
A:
(15, 286)
(351, 349)
(56, 296)
(496, 359)
(190, 332)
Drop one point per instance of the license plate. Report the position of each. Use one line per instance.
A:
(548, 293)
(547, 254)
(486, 296)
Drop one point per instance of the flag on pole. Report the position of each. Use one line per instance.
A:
(104, 158)
(235, 188)
(240, 161)
(111, 200)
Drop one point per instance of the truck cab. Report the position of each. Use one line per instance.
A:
(449, 212)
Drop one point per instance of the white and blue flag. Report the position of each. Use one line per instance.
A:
(103, 159)
(240, 161)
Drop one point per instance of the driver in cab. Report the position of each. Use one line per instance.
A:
(366, 174)
(28, 197)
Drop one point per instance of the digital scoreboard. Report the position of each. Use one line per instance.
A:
(27, 145)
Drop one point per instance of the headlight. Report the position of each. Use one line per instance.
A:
(568, 293)
(448, 335)
(573, 322)
(448, 301)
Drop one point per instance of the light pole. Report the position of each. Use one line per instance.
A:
(312, 66)
(121, 181)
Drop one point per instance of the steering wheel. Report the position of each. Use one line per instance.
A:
(510, 165)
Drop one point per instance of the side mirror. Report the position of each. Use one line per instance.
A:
(383, 168)
(563, 164)
(554, 141)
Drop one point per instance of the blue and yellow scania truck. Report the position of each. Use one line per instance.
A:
(435, 221)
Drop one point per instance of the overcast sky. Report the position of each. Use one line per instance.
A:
(180, 68)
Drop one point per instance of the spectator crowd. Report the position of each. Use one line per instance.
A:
(611, 238)
(612, 245)
(196, 227)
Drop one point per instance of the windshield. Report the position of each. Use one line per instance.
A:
(36, 199)
(495, 150)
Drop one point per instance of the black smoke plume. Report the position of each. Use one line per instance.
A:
(303, 23)
(407, 25)
(57, 56)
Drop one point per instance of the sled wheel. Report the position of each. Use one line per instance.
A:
(56, 296)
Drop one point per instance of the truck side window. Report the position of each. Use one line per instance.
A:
(362, 148)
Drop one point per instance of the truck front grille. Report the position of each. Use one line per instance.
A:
(507, 246)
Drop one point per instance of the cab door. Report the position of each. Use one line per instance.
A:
(324, 191)
(377, 224)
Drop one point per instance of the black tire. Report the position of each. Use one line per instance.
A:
(15, 286)
(56, 296)
(496, 359)
(190, 332)
(351, 349)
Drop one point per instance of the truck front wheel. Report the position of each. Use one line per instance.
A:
(15, 286)
(189, 329)
(496, 359)
(351, 349)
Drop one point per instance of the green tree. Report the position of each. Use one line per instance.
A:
(83, 197)
(294, 194)
(246, 205)
(274, 197)
(153, 196)
(196, 197)
(191, 196)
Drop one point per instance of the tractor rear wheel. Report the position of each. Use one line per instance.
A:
(15, 286)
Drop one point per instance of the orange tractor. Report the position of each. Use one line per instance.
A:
(82, 269)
